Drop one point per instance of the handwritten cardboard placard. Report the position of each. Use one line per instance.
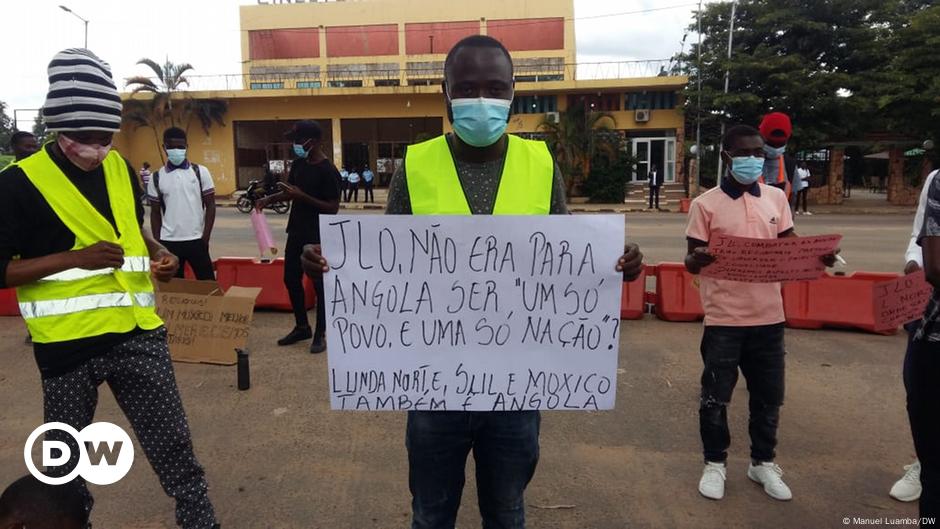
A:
(472, 312)
(769, 260)
(901, 300)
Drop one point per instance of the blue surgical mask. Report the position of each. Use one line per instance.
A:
(299, 150)
(775, 152)
(176, 156)
(746, 169)
(480, 121)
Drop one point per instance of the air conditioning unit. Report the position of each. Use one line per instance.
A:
(642, 115)
(552, 117)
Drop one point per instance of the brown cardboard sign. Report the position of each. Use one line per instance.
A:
(205, 324)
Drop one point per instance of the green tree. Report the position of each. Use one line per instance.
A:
(611, 168)
(908, 90)
(40, 131)
(167, 79)
(574, 139)
(166, 107)
(812, 59)
(7, 127)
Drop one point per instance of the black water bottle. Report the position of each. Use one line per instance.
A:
(244, 376)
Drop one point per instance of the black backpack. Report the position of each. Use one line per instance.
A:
(156, 184)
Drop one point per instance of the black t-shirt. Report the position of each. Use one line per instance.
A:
(319, 180)
(29, 228)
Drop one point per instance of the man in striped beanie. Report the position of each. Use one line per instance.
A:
(83, 277)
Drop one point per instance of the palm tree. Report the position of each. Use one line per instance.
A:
(574, 140)
(167, 79)
(159, 112)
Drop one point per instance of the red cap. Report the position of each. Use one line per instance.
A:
(776, 125)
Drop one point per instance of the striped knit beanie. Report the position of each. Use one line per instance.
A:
(82, 94)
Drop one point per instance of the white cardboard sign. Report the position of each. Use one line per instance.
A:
(477, 313)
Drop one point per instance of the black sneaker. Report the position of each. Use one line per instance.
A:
(296, 335)
(318, 345)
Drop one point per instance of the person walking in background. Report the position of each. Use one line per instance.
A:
(655, 183)
(922, 363)
(70, 215)
(23, 144)
(353, 192)
(313, 187)
(744, 322)
(802, 180)
(367, 178)
(182, 213)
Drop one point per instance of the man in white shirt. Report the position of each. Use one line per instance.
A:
(182, 213)
(908, 488)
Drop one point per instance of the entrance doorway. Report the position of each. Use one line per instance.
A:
(658, 152)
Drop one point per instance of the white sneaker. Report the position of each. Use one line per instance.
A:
(712, 484)
(799, 213)
(810, 213)
(769, 475)
(908, 487)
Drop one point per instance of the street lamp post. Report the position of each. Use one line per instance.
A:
(76, 15)
(734, 4)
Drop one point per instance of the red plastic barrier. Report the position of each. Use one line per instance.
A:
(246, 272)
(8, 304)
(633, 298)
(677, 299)
(834, 301)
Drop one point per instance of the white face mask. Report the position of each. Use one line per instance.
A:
(85, 157)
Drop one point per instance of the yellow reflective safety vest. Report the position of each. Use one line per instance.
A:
(79, 303)
(525, 187)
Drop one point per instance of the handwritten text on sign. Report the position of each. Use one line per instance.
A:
(901, 300)
(769, 260)
(472, 312)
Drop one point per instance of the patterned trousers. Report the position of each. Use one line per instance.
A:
(140, 375)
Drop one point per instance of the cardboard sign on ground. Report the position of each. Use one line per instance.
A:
(204, 323)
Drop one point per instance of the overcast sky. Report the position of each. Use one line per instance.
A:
(206, 34)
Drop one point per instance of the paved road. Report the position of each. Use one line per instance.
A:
(276, 456)
(872, 243)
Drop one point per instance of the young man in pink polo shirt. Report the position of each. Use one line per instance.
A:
(744, 322)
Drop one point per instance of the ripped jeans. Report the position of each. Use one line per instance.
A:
(758, 351)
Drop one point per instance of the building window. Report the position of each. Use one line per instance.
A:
(267, 86)
(345, 84)
(534, 104)
(424, 82)
(539, 78)
(387, 82)
(651, 100)
(308, 84)
(596, 102)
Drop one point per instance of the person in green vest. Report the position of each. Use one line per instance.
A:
(71, 216)
(478, 170)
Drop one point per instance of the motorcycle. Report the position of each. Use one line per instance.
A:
(256, 191)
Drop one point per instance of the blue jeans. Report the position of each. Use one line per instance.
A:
(506, 450)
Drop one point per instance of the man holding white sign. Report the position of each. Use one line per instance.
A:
(744, 321)
(477, 171)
